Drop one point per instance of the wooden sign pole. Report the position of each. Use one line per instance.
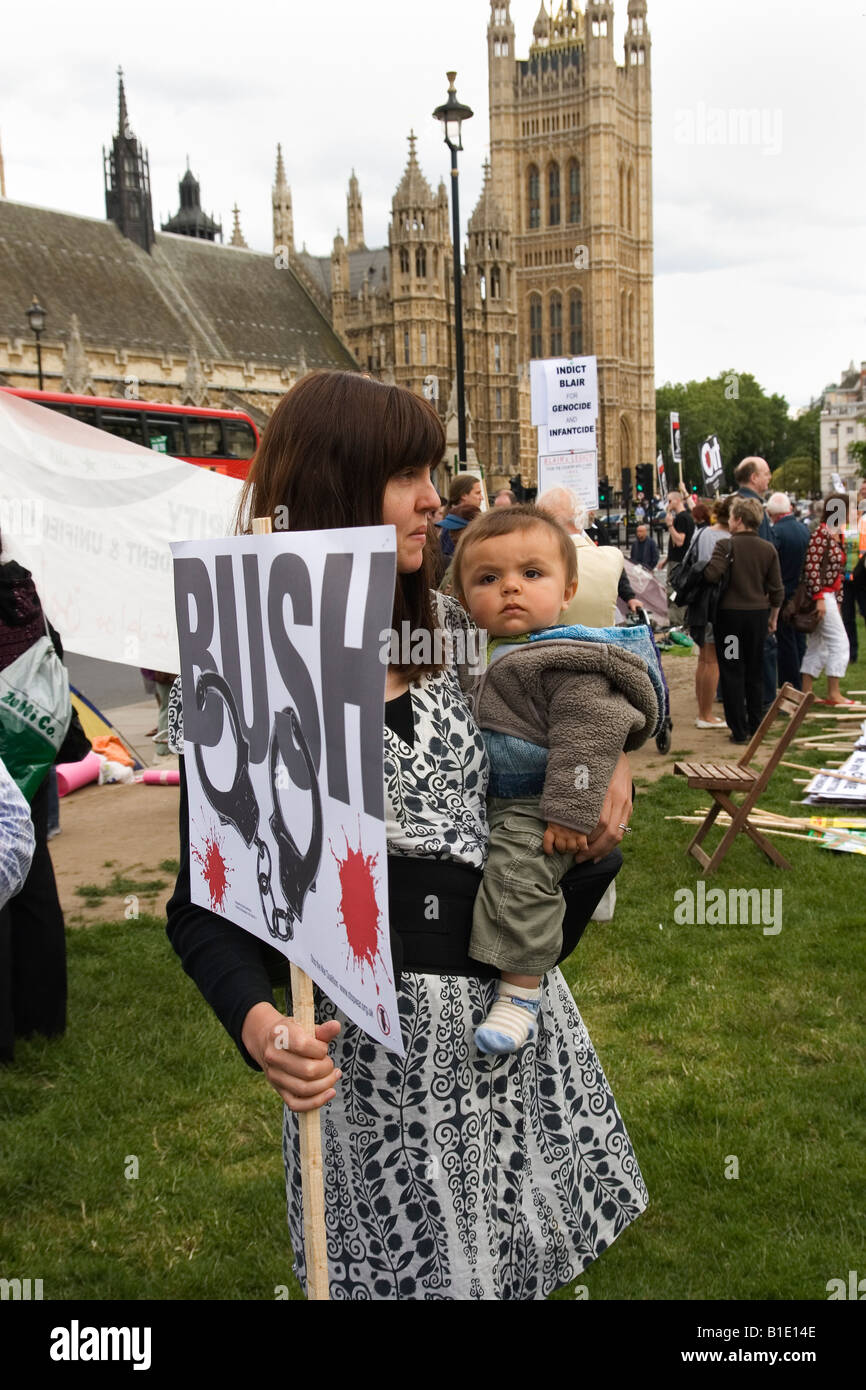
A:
(309, 1121)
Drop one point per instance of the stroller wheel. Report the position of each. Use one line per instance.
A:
(663, 737)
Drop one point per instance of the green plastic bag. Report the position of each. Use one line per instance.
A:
(35, 712)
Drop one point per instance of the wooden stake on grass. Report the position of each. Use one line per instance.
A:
(826, 772)
(309, 1121)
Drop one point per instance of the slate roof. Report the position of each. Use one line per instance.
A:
(230, 303)
(360, 262)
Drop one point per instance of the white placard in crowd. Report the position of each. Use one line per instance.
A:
(676, 442)
(280, 641)
(578, 471)
(564, 403)
(663, 482)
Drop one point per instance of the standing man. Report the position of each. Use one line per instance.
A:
(791, 539)
(681, 528)
(752, 477)
(644, 550)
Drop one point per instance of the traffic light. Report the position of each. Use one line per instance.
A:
(603, 492)
(645, 473)
(626, 485)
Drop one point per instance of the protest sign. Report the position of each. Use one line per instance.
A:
(711, 461)
(564, 403)
(663, 482)
(578, 471)
(281, 640)
(676, 445)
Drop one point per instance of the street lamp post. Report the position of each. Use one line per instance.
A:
(452, 115)
(36, 315)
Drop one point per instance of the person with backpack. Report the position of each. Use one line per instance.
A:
(711, 526)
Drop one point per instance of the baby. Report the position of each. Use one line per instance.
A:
(556, 714)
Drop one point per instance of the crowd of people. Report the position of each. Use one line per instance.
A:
(507, 796)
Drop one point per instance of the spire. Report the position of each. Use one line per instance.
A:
(280, 180)
(413, 189)
(76, 369)
(237, 236)
(122, 113)
(488, 215)
(355, 216)
(541, 27)
(281, 203)
(127, 179)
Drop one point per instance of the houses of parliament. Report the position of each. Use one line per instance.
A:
(558, 262)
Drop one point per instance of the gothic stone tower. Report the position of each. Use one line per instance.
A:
(571, 153)
(127, 179)
(420, 247)
(490, 326)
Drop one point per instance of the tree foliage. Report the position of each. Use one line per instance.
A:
(746, 420)
(799, 475)
(858, 453)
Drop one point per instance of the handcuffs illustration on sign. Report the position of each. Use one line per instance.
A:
(238, 807)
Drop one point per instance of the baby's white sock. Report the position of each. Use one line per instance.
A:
(511, 1021)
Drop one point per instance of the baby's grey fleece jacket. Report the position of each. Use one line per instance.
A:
(584, 701)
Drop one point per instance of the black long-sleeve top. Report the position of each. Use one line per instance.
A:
(233, 969)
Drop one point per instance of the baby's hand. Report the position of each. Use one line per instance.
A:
(562, 839)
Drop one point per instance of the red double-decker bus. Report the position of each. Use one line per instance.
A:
(222, 440)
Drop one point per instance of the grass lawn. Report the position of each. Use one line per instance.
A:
(727, 1049)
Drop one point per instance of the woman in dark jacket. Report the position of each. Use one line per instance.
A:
(32, 937)
(748, 609)
(465, 497)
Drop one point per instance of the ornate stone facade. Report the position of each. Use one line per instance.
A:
(571, 155)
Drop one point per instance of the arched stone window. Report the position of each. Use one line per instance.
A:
(631, 342)
(533, 182)
(495, 283)
(535, 346)
(553, 196)
(421, 262)
(404, 260)
(573, 191)
(575, 324)
(630, 199)
(555, 319)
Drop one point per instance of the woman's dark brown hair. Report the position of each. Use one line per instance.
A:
(700, 514)
(325, 459)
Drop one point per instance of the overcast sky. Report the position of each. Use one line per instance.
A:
(758, 242)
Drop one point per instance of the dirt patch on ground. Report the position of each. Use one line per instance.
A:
(115, 833)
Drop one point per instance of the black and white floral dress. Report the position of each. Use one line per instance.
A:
(450, 1174)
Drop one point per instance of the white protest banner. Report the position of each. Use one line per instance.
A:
(283, 679)
(711, 461)
(91, 516)
(579, 471)
(663, 482)
(564, 402)
(676, 445)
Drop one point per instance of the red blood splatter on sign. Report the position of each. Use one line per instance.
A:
(216, 871)
(358, 906)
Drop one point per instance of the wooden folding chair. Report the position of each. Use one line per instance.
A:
(722, 779)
